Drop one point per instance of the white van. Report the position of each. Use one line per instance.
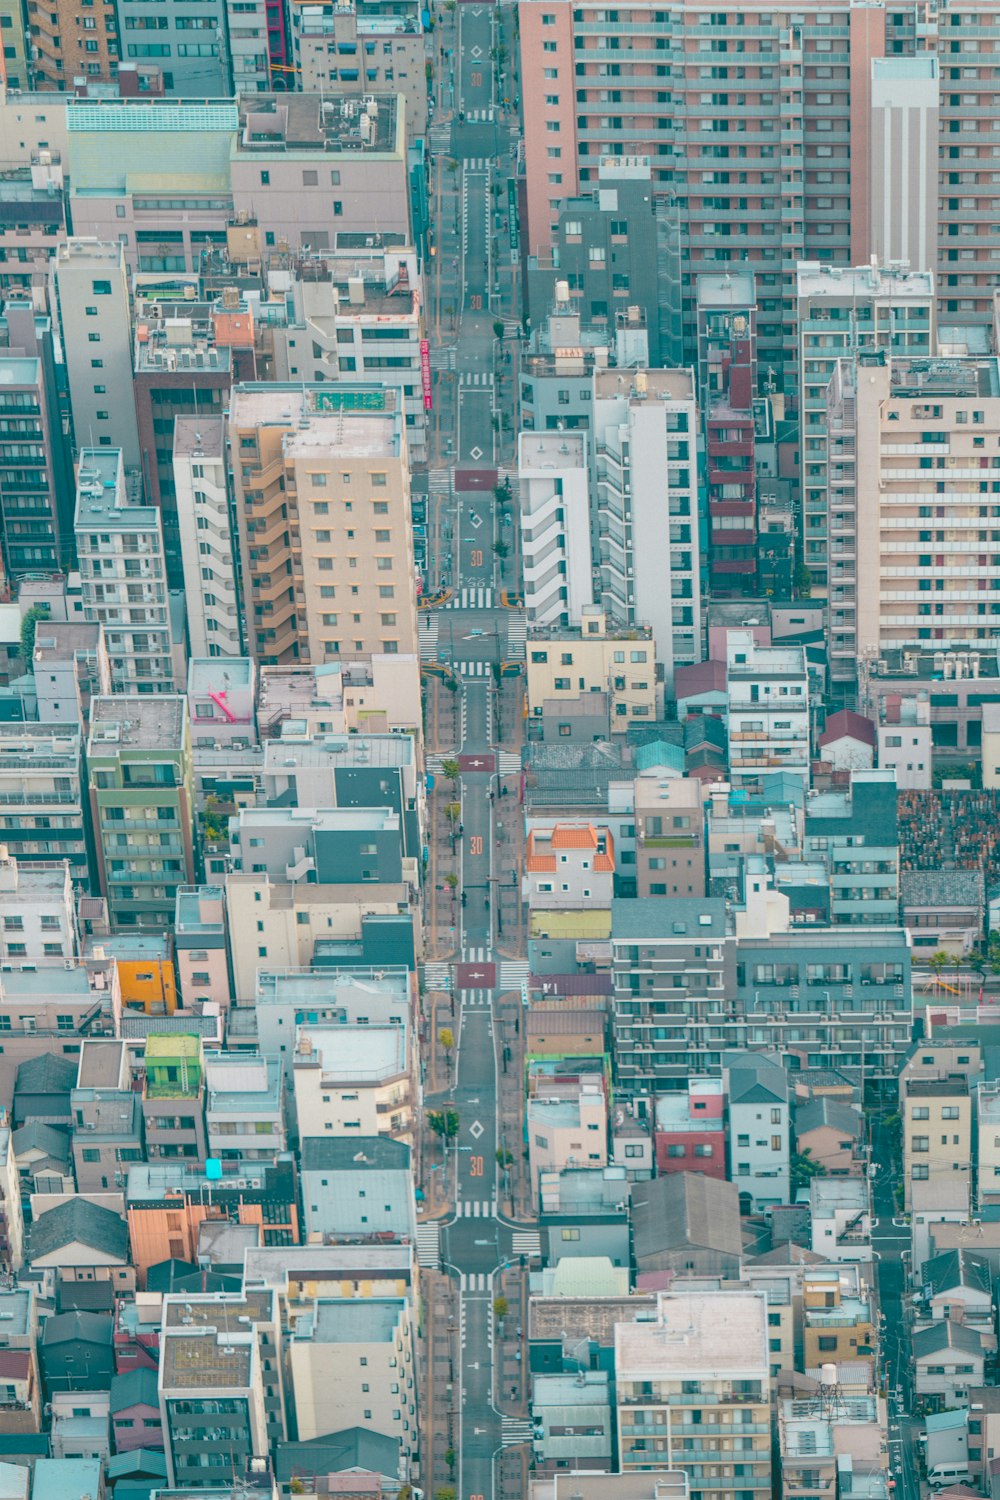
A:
(943, 1475)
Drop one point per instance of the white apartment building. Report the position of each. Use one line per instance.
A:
(841, 311)
(768, 708)
(915, 504)
(354, 1080)
(208, 547)
(37, 912)
(123, 573)
(702, 1367)
(644, 487)
(92, 293)
(354, 1356)
(554, 485)
(246, 33)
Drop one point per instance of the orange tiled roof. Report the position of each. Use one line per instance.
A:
(564, 836)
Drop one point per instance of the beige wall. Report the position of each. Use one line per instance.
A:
(669, 853)
(594, 666)
(328, 1377)
(936, 1136)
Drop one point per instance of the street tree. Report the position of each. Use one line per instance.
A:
(451, 769)
(501, 1307)
(447, 1039)
(443, 1122)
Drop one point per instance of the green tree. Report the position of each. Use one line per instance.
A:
(938, 962)
(451, 880)
(504, 1158)
(447, 1039)
(450, 1457)
(501, 548)
(501, 1307)
(804, 1169)
(445, 1492)
(803, 581)
(498, 329)
(29, 624)
(443, 1122)
(451, 769)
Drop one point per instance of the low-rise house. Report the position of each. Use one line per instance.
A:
(957, 1286)
(847, 743)
(937, 1130)
(943, 910)
(690, 1129)
(135, 1411)
(936, 1202)
(584, 1212)
(76, 1352)
(80, 1425)
(80, 1241)
(573, 1421)
(42, 1155)
(357, 1186)
(758, 1129)
(686, 1223)
(948, 1361)
(567, 1124)
(42, 1090)
(831, 1134)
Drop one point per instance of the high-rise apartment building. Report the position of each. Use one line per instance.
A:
(36, 481)
(727, 385)
(841, 312)
(123, 574)
(645, 491)
(189, 45)
(67, 42)
(700, 1368)
(339, 48)
(209, 549)
(554, 490)
(96, 322)
(322, 489)
(141, 798)
(914, 505)
(42, 796)
(769, 131)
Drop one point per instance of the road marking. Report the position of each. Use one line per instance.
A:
(475, 1130)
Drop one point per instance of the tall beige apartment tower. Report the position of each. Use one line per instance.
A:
(914, 480)
(322, 490)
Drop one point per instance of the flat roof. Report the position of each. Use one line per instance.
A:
(362, 1320)
(815, 278)
(360, 1053)
(698, 1335)
(199, 436)
(141, 722)
(205, 1360)
(664, 385)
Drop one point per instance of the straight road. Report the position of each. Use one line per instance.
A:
(472, 634)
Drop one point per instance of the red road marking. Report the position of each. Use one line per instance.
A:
(475, 976)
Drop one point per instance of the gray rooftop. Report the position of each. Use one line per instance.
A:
(136, 721)
(681, 917)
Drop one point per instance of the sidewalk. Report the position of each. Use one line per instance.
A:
(436, 1353)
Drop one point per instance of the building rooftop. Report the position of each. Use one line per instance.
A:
(943, 889)
(376, 1153)
(649, 918)
(731, 289)
(224, 1313)
(189, 910)
(660, 385)
(280, 123)
(570, 1319)
(138, 722)
(720, 1335)
(552, 450)
(381, 751)
(196, 437)
(100, 1064)
(364, 1320)
(346, 419)
(205, 1361)
(363, 1054)
(815, 279)
(954, 378)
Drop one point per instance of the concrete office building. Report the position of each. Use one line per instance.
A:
(43, 815)
(207, 543)
(189, 48)
(341, 48)
(554, 493)
(357, 1187)
(322, 489)
(813, 152)
(293, 151)
(644, 467)
(14, 52)
(359, 996)
(39, 913)
(611, 251)
(152, 174)
(913, 455)
(351, 1079)
(702, 1363)
(123, 573)
(841, 311)
(141, 796)
(594, 660)
(32, 221)
(556, 373)
(95, 318)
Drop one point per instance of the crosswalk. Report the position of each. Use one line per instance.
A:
(469, 378)
(508, 764)
(482, 115)
(429, 1245)
(513, 972)
(472, 668)
(476, 1208)
(476, 956)
(515, 1430)
(437, 976)
(476, 596)
(439, 481)
(477, 163)
(473, 998)
(526, 1242)
(517, 634)
(428, 630)
(474, 1281)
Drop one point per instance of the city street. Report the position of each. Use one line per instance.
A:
(477, 1397)
(890, 1237)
